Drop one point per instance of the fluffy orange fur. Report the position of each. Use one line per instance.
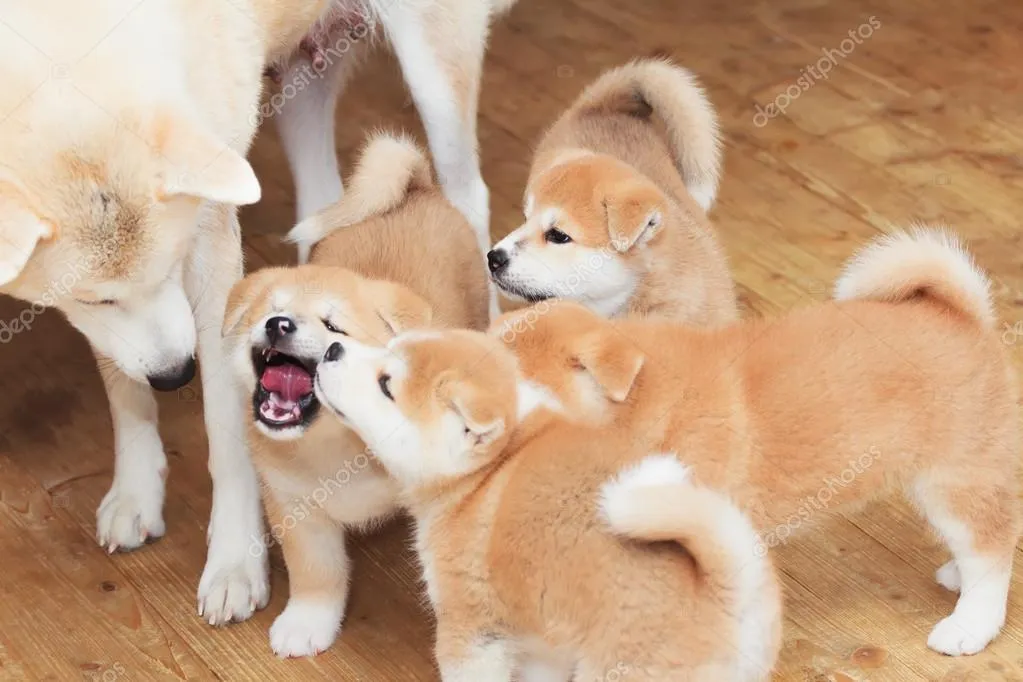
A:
(904, 386)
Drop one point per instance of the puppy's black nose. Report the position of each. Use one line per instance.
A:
(278, 326)
(334, 352)
(175, 379)
(497, 260)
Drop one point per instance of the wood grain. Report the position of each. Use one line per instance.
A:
(921, 121)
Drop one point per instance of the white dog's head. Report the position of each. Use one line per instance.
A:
(590, 222)
(104, 169)
(432, 406)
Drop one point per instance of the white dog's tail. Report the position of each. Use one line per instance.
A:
(921, 263)
(389, 168)
(654, 501)
(649, 88)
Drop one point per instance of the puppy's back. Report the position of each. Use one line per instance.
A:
(654, 116)
(394, 223)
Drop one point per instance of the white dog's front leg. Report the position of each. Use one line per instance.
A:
(235, 581)
(305, 124)
(442, 59)
(132, 511)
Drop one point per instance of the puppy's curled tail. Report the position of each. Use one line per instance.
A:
(389, 168)
(921, 263)
(654, 501)
(656, 87)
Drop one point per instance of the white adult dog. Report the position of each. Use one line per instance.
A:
(123, 133)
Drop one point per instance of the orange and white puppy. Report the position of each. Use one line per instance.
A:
(901, 384)
(616, 203)
(367, 281)
(550, 547)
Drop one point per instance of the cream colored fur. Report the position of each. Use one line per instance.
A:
(123, 132)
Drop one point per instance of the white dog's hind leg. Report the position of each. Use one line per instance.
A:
(441, 56)
(235, 580)
(306, 127)
(132, 510)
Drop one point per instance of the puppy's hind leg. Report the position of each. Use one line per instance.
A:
(980, 524)
(440, 46)
(235, 580)
(305, 123)
(132, 511)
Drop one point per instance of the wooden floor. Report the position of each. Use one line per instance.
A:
(922, 120)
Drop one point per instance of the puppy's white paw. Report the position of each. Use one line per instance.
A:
(233, 585)
(948, 576)
(959, 636)
(125, 520)
(305, 628)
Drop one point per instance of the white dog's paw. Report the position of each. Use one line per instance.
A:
(959, 636)
(948, 576)
(232, 588)
(305, 628)
(126, 520)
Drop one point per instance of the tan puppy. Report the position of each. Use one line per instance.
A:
(903, 384)
(318, 476)
(616, 199)
(516, 524)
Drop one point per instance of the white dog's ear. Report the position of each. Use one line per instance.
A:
(197, 164)
(21, 228)
(612, 360)
(635, 211)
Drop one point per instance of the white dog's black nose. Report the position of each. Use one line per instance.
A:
(497, 260)
(279, 326)
(175, 379)
(334, 352)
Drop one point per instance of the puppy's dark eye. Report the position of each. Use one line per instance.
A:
(384, 381)
(556, 236)
(332, 329)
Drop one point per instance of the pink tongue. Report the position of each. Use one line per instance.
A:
(290, 381)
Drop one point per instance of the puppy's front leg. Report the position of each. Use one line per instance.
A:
(132, 511)
(235, 580)
(318, 572)
(467, 654)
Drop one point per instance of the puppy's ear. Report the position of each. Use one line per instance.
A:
(197, 164)
(400, 308)
(21, 228)
(635, 211)
(244, 294)
(612, 360)
(480, 410)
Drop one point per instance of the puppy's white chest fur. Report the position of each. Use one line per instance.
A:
(350, 490)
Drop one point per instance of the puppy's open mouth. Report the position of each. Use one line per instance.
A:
(284, 396)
